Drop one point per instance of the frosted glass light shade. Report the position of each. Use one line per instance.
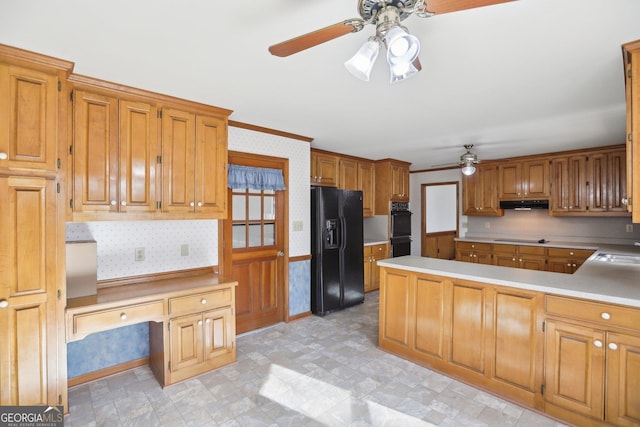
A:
(361, 64)
(468, 169)
(402, 71)
(402, 47)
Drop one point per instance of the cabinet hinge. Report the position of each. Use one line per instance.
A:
(71, 203)
(71, 96)
(159, 159)
(544, 325)
(58, 187)
(59, 163)
(630, 137)
(169, 364)
(158, 205)
(630, 201)
(542, 389)
(159, 114)
(59, 86)
(59, 294)
(59, 399)
(71, 150)
(629, 73)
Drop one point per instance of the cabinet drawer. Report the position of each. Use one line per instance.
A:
(199, 302)
(506, 249)
(379, 251)
(474, 246)
(532, 250)
(367, 251)
(604, 314)
(102, 320)
(570, 253)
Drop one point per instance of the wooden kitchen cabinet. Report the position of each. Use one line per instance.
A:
(348, 177)
(194, 157)
(477, 252)
(607, 178)
(592, 361)
(521, 180)
(115, 149)
(373, 253)
(358, 175)
(439, 245)
(324, 169)
(480, 192)
(568, 189)
(518, 256)
(472, 331)
(631, 59)
(392, 183)
(566, 260)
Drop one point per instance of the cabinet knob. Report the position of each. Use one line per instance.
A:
(571, 253)
(192, 204)
(605, 316)
(3, 155)
(513, 259)
(569, 265)
(4, 303)
(113, 203)
(208, 320)
(123, 203)
(613, 346)
(624, 199)
(199, 322)
(199, 204)
(520, 260)
(203, 301)
(597, 343)
(123, 316)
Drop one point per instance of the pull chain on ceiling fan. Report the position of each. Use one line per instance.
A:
(387, 15)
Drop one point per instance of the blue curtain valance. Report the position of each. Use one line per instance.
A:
(241, 177)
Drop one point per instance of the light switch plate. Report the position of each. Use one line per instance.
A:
(184, 250)
(139, 254)
(297, 225)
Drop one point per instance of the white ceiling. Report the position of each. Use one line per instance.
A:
(525, 77)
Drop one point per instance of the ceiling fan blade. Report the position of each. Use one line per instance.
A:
(445, 6)
(315, 38)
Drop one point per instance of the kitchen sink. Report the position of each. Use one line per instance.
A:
(619, 258)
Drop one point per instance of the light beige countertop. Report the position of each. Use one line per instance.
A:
(595, 280)
(370, 242)
(531, 242)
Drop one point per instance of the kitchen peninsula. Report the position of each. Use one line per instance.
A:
(564, 344)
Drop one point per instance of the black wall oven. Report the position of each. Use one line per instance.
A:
(400, 229)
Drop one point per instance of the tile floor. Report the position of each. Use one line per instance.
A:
(316, 371)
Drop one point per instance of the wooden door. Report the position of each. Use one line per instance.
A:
(348, 179)
(574, 368)
(138, 156)
(510, 179)
(468, 327)
(617, 185)
(211, 154)
(186, 341)
(29, 117)
(535, 178)
(28, 319)
(623, 376)
(577, 184)
(255, 248)
(218, 333)
(95, 152)
(431, 298)
(178, 159)
(326, 170)
(366, 179)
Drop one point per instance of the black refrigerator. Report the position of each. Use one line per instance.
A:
(337, 259)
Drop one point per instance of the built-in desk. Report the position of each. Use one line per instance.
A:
(192, 321)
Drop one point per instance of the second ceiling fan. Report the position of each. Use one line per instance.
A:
(387, 16)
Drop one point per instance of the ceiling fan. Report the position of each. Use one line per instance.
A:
(387, 16)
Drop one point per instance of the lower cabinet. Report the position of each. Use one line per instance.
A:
(517, 256)
(373, 253)
(480, 253)
(566, 260)
(479, 333)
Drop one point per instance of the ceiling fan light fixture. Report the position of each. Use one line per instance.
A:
(361, 64)
(402, 47)
(468, 159)
(402, 71)
(468, 169)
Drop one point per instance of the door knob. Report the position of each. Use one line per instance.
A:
(280, 253)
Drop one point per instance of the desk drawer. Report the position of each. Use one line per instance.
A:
(604, 314)
(199, 302)
(102, 320)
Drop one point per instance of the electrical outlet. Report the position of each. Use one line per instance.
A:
(297, 225)
(487, 224)
(184, 250)
(629, 228)
(139, 254)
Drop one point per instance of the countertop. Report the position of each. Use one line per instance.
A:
(594, 280)
(531, 242)
(370, 242)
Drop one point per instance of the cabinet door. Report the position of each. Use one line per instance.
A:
(561, 265)
(515, 345)
(510, 179)
(178, 161)
(487, 191)
(210, 169)
(574, 368)
(95, 153)
(365, 183)
(326, 170)
(623, 375)
(186, 341)
(368, 276)
(535, 178)
(138, 156)
(28, 332)
(532, 262)
(470, 184)
(617, 185)
(29, 118)
(218, 333)
(468, 328)
(430, 302)
(569, 185)
(348, 175)
(395, 322)
(504, 259)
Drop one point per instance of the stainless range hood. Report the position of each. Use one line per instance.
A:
(524, 205)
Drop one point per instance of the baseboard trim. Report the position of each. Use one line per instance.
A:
(101, 373)
(299, 316)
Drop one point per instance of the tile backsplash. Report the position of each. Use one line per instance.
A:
(163, 243)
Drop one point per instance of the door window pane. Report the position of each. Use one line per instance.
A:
(269, 208)
(269, 234)
(239, 236)
(255, 210)
(239, 207)
(255, 235)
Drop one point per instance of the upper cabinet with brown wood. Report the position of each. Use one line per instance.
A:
(480, 191)
(140, 155)
(324, 169)
(521, 180)
(33, 120)
(631, 56)
(356, 174)
(392, 183)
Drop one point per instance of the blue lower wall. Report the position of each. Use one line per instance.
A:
(105, 349)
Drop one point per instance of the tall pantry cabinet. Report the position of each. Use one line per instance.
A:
(33, 132)
(631, 56)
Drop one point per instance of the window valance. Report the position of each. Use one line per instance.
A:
(241, 177)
